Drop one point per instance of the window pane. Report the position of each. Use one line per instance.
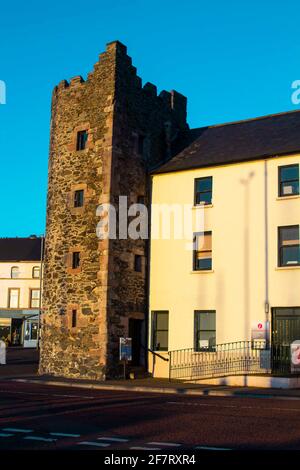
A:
(206, 339)
(204, 198)
(289, 173)
(290, 255)
(35, 294)
(15, 272)
(204, 242)
(14, 298)
(161, 341)
(34, 330)
(289, 235)
(204, 184)
(27, 333)
(162, 321)
(204, 264)
(207, 320)
(289, 188)
(36, 272)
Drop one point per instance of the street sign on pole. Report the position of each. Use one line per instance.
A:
(125, 349)
(125, 352)
(260, 333)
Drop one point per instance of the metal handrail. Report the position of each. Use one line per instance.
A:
(223, 346)
(158, 355)
(239, 357)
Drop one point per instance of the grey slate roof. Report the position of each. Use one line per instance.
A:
(264, 137)
(20, 249)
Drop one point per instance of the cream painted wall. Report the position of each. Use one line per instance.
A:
(236, 288)
(25, 282)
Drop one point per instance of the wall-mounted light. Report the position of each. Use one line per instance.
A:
(267, 307)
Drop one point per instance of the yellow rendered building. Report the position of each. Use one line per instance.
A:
(241, 266)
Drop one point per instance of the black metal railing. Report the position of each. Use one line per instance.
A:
(281, 359)
(241, 357)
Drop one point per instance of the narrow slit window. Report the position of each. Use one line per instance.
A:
(138, 263)
(79, 198)
(74, 318)
(141, 144)
(82, 138)
(75, 260)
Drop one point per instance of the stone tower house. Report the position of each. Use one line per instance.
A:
(106, 132)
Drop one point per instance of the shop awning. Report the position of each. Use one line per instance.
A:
(22, 314)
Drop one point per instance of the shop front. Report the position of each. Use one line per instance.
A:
(19, 328)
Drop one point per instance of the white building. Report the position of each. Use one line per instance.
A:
(244, 268)
(20, 283)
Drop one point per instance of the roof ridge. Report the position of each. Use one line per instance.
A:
(258, 118)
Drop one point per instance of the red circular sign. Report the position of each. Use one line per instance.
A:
(260, 326)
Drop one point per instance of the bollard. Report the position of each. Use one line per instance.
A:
(2, 352)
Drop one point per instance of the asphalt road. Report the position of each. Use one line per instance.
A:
(34, 416)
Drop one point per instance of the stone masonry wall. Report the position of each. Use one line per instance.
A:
(105, 291)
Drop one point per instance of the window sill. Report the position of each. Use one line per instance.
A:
(287, 268)
(77, 210)
(203, 206)
(285, 198)
(73, 270)
(203, 271)
(81, 152)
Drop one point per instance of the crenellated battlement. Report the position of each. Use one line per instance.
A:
(115, 60)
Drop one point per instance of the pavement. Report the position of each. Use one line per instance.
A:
(163, 386)
(22, 366)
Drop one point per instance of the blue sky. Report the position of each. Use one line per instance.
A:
(233, 60)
